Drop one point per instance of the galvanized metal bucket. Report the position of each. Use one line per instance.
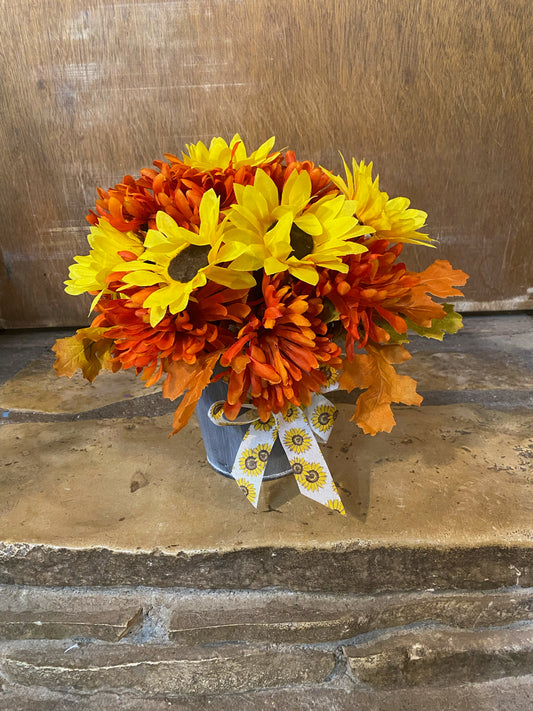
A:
(222, 443)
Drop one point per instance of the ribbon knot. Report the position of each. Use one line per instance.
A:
(298, 431)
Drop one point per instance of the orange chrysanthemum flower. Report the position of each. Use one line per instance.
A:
(320, 182)
(378, 291)
(174, 187)
(197, 330)
(277, 355)
(369, 293)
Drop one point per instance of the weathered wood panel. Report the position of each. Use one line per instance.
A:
(437, 92)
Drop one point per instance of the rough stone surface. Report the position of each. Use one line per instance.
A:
(37, 388)
(454, 369)
(440, 657)
(323, 618)
(203, 616)
(360, 570)
(105, 624)
(509, 694)
(158, 670)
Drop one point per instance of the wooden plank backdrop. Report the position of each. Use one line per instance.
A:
(438, 93)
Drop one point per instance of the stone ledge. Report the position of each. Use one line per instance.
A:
(439, 657)
(157, 670)
(202, 617)
(351, 569)
(111, 503)
(443, 501)
(508, 694)
(452, 476)
(321, 618)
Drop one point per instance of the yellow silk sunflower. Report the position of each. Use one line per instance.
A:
(392, 219)
(90, 271)
(180, 261)
(220, 155)
(291, 234)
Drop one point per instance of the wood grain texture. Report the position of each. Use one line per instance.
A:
(438, 93)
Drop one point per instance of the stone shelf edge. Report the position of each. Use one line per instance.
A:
(356, 570)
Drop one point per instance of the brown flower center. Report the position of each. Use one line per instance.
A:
(263, 455)
(250, 463)
(186, 265)
(302, 243)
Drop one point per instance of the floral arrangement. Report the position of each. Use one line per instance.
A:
(272, 274)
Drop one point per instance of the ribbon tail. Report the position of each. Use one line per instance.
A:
(307, 461)
(252, 457)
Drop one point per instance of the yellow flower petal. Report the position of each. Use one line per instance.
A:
(390, 219)
(248, 262)
(274, 266)
(231, 250)
(306, 273)
(157, 313)
(309, 223)
(209, 213)
(89, 272)
(142, 278)
(267, 187)
(218, 155)
(230, 277)
(297, 191)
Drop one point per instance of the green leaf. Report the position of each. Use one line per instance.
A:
(451, 323)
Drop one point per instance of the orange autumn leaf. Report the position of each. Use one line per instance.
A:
(374, 373)
(180, 375)
(191, 380)
(421, 309)
(438, 279)
(88, 350)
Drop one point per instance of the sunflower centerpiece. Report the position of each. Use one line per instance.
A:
(275, 278)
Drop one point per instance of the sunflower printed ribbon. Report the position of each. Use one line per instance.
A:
(298, 431)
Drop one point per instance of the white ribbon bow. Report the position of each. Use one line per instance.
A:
(298, 431)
